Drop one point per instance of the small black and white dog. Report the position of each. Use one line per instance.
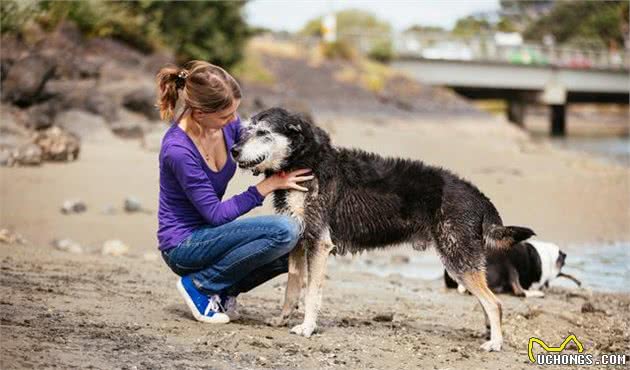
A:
(360, 201)
(522, 270)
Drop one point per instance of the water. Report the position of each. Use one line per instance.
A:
(599, 267)
(602, 268)
(611, 149)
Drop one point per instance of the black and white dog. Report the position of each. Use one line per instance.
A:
(360, 201)
(522, 270)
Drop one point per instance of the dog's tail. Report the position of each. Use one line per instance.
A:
(501, 237)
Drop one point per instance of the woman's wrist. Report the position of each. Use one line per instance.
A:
(265, 187)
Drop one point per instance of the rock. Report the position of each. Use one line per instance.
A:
(67, 245)
(132, 204)
(103, 105)
(42, 116)
(83, 95)
(11, 237)
(73, 206)
(26, 78)
(128, 130)
(28, 155)
(143, 100)
(85, 125)
(384, 317)
(58, 145)
(6, 157)
(114, 248)
(399, 259)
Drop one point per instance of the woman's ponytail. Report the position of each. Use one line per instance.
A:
(170, 80)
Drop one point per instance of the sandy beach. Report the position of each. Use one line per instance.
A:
(87, 310)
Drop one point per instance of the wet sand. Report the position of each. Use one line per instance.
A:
(80, 310)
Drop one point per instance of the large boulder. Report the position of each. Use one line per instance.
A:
(58, 145)
(42, 116)
(143, 100)
(28, 155)
(130, 125)
(85, 125)
(13, 135)
(83, 95)
(25, 80)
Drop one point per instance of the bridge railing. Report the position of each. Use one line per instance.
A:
(486, 49)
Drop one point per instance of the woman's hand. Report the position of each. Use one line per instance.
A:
(284, 181)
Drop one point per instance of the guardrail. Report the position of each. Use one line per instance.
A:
(485, 49)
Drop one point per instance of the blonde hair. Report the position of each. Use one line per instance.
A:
(203, 86)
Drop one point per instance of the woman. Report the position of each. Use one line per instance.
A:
(201, 240)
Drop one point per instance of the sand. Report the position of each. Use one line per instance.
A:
(66, 310)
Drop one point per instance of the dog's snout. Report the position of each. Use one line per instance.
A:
(235, 152)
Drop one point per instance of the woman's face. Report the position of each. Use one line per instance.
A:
(216, 120)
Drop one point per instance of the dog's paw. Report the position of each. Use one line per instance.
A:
(304, 329)
(461, 289)
(278, 321)
(492, 346)
(534, 294)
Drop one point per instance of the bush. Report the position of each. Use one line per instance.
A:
(338, 50)
(212, 31)
(381, 51)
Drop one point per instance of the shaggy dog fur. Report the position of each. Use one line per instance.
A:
(360, 201)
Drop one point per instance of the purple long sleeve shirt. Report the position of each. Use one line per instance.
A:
(191, 193)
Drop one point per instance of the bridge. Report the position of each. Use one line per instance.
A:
(502, 66)
(520, 85)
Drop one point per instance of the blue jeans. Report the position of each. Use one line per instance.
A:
(235, 257)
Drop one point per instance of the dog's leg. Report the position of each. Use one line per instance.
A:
(515, 282)
(475, 282)
(297, 266)
(518, 289)
(317, 257)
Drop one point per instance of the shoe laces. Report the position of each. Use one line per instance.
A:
(214, 305)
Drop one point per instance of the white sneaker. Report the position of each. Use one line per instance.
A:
(204, 309)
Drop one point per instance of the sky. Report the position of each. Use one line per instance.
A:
(287, 15)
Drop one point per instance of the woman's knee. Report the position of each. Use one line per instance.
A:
(287, 230)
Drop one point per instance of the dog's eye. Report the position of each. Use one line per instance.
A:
(261, 133)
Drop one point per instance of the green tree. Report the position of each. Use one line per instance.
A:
(597, 24)
(471, 26)
(350, 21)
(212, 31)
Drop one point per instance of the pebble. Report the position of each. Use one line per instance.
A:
(9, 237)
(73, 206)
(132, 204)
(67, 245)
(115, 248)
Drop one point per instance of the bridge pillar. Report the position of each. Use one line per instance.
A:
(558, 119)
(516, 111)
